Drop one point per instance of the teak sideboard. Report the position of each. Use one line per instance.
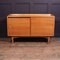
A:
(30, 25)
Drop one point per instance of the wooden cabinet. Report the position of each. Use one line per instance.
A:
(32, 25)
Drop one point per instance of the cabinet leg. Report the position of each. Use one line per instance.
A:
(12, 39)
(48, 39)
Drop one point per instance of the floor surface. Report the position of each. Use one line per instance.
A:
(30, 50)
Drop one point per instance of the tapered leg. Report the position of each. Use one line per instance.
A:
(12, 39)
(48, 39)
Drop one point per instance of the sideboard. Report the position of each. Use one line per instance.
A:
(30, 25)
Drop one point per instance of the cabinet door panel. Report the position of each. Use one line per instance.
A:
(42, 26)
(18, 26)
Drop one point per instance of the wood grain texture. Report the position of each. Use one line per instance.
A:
(18, 26)
(42, 26)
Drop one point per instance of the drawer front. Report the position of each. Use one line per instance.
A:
(42, 26)
(18, 26)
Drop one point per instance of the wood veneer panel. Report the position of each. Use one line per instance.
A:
(42, 26)
(18, 26)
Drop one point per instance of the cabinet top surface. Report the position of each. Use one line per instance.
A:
(30, 15)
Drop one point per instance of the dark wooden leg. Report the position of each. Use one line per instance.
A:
(48, 39)
(12, 39)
